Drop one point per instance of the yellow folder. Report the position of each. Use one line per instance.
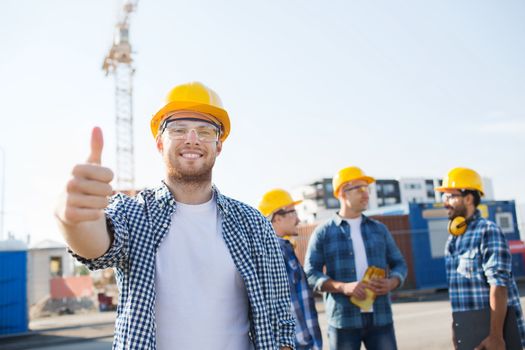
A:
(366, 303)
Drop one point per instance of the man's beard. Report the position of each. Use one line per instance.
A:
(191, 177)
(459, 210)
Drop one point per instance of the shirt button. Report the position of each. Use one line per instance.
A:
(172, 202)
(164, 225)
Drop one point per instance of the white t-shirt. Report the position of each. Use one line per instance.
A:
(201, 300)
(361, 262)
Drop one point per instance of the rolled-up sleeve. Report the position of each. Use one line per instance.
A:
(116, 256)
(315, 260)
(496, 256)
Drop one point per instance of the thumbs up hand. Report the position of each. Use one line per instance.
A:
(87, 192)
(97, 144)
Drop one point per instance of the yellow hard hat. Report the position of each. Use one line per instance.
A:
(196, 97)
(348, 174)
(274, 200)
(462, 179)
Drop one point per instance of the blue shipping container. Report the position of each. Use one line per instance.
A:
(428, 223)
(13, 292)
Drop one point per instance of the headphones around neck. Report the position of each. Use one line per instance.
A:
(458, 225)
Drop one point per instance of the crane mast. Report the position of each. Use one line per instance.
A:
(119, 63)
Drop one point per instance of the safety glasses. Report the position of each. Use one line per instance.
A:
(359, 188)
(179, 129)
(448, 196)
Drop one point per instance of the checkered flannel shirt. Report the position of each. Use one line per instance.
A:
(139, 224)
(307, 331)
(331, 247)
(476, 260)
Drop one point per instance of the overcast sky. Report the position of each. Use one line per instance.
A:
(401, 89)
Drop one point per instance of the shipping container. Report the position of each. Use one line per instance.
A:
(429, 233)
(399, 226)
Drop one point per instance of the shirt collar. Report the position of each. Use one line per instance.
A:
(164, 196)
(476, 215)
(222, 201)
(338, 220)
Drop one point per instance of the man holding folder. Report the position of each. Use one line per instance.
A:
(347, 258)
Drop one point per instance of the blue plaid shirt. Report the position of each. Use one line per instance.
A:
(139, 224)
(307, 331)
(476, 260)
(331, 246)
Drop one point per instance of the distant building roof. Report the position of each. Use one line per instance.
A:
(48, 244)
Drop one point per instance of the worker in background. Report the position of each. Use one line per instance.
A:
(477, 257)
(278, 206)
(339, 252)
(196, 269)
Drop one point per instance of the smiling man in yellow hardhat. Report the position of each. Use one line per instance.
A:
(278, 206)
(196, 269)
(478, 260)
(339, 252)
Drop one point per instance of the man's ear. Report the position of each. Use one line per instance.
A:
(219, 147)
(469, 199)
(160, 145)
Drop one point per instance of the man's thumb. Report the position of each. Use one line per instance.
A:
(97, 143)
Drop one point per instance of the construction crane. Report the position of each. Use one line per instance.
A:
(119, 63)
